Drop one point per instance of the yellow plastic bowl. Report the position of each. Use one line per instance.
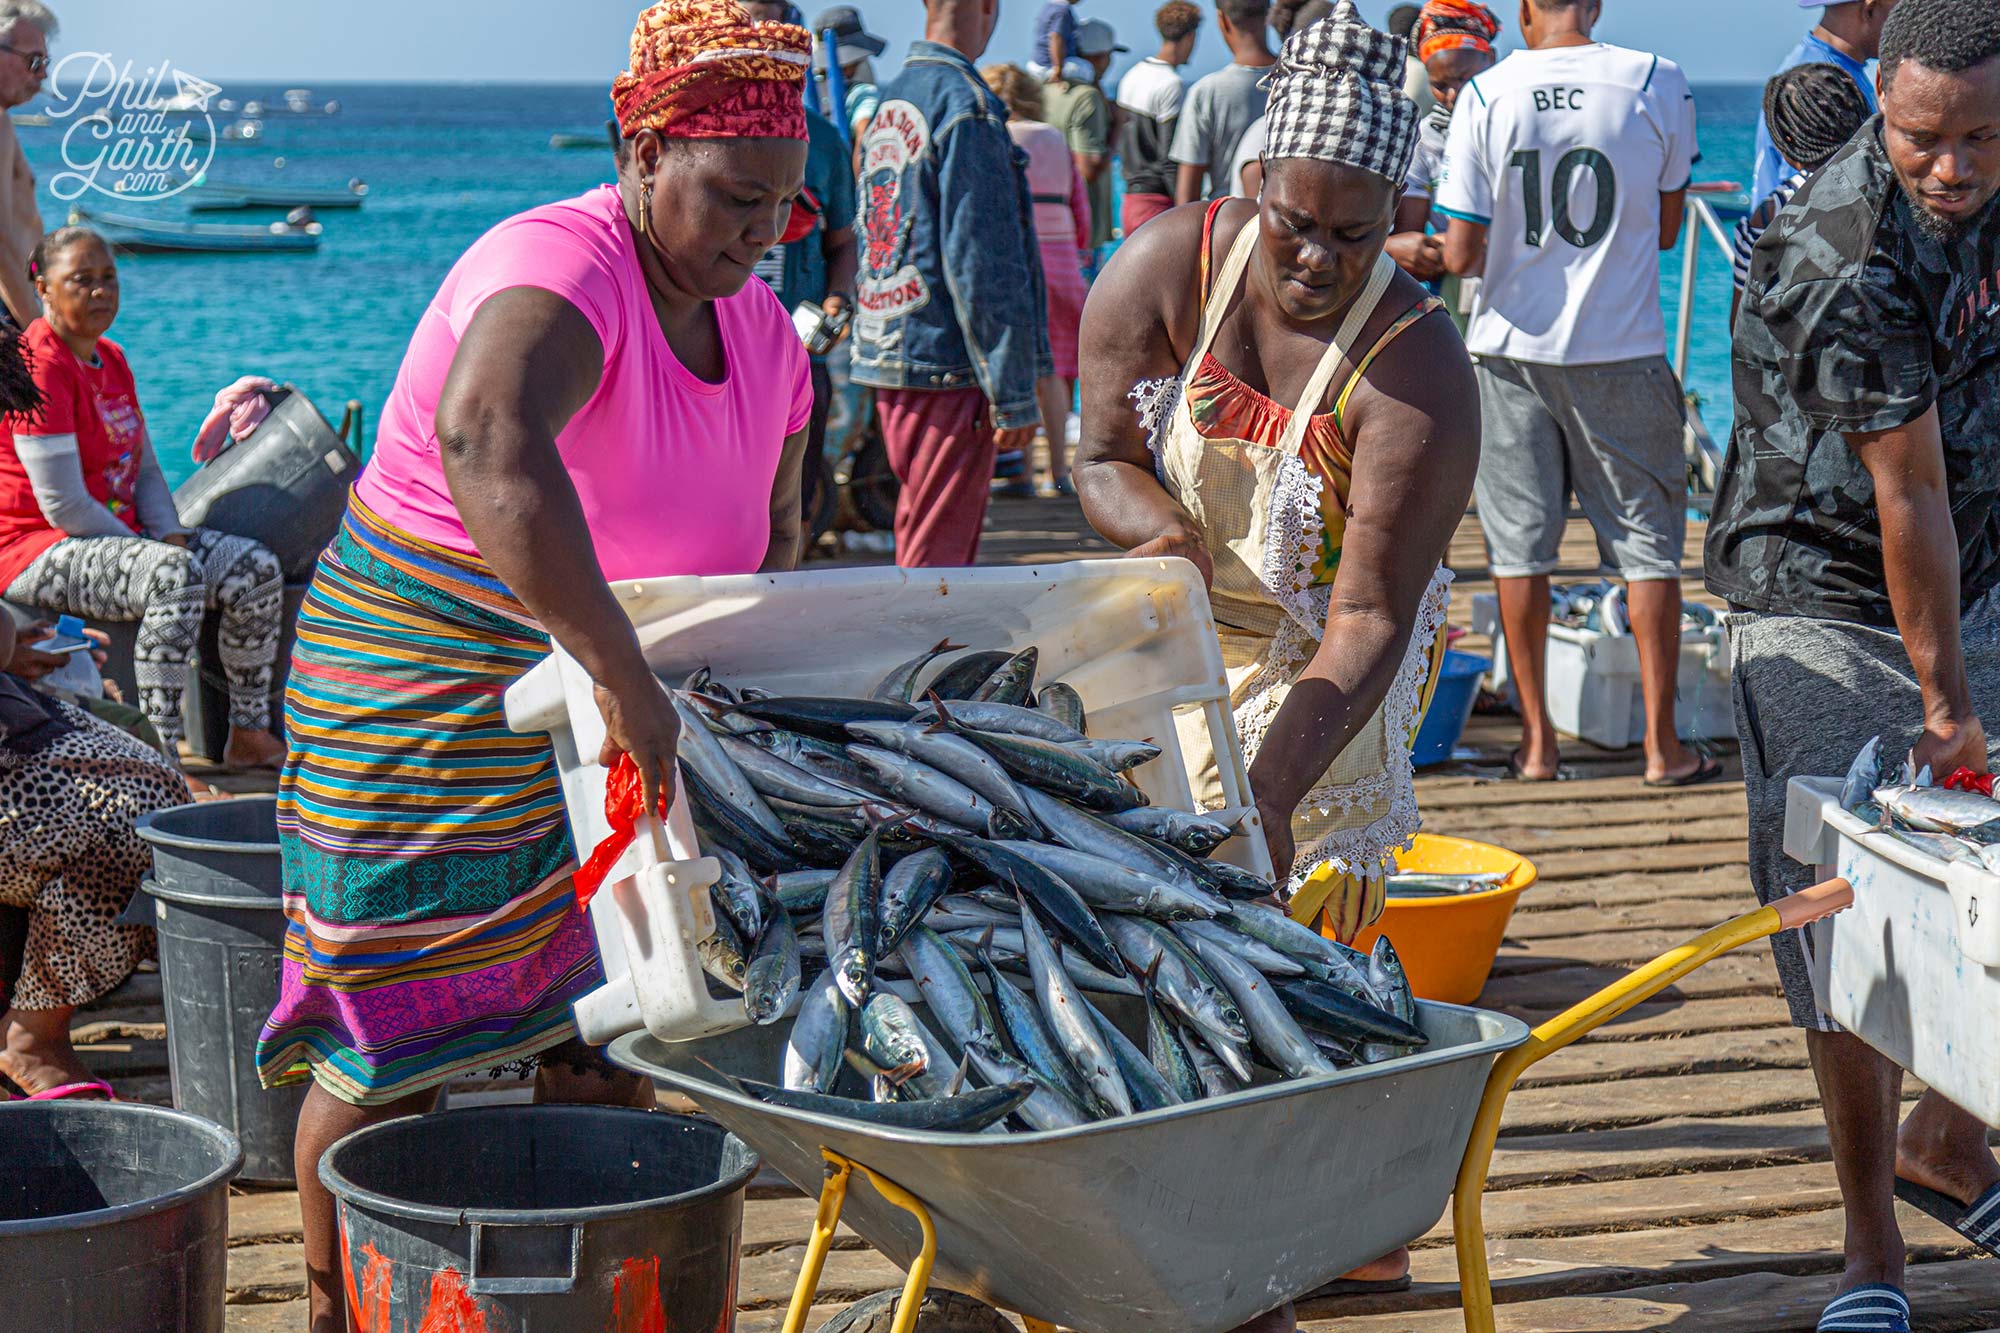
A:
(1448, 944)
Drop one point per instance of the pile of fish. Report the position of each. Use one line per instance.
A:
(1941, 822)
(1444, 883)
(1600, 607)
(985, 852)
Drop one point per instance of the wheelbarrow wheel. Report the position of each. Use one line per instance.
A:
(941, 1312)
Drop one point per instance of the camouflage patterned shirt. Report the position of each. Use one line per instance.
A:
(1855, 320)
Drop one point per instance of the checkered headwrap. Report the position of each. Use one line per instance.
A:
(1337, 95)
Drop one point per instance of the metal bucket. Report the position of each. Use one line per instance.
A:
(217, 906)
(1193, 1218)
(113, 1215)
(520, 1219)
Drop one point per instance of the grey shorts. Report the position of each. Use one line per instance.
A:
(1611, 433)
(1809, 693)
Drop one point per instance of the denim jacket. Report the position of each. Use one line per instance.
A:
(950, 290)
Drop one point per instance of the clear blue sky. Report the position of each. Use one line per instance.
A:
(585, 40)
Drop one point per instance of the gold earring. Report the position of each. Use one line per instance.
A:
(646, 209)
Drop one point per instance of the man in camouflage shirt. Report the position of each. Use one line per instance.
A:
(1856, 536)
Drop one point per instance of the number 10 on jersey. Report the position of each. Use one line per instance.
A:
(1556, 216)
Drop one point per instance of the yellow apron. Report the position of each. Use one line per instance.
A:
(1258, 510)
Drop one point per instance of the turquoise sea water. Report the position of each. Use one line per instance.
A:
(443, 163)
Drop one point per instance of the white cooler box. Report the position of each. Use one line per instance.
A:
(1913, 968)
(1133, 637)
(1593, 681)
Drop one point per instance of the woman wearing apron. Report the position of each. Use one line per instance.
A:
(1306, 432)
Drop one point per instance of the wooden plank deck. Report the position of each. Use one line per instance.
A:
(1670, 1172)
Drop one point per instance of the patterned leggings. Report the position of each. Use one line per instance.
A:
(68, 853)
(167, 589)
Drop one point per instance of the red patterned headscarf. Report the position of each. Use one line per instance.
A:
(703, 69)
(1448, 24)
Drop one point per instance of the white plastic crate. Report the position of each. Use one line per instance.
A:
(1593, 681)
(1133, 637)
(1913, 968)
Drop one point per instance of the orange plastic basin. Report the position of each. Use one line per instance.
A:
(1448, 944)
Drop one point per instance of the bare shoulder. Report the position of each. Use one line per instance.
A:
(1425, 370)
(1157, 270)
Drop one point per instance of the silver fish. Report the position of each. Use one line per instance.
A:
(1259, 955)
(1195, 834)
(852, 918)
(908, 890)
(804, 891)
(1945, 847)
(1118, 756)
(1184, 984)
(1272, 1027)
(897, 686)
(1003, 718)
(1063, 703)
(1048, 1108)
(1864, 775)
(918, 783)
(714, 709)
(1029, 1032)
(818, 1039)
(1217, 1079)
(775, 777)
(1009, 947)
(956, 758)
(1109, 886)
(773, 975)
(1325, 959)
(723, 954)
(1942, 810)
(736, 893)
(1098, 836)
(1069, 1018)
(888, 1037)
(1014, 682)
(947, 987)
(701, 750)
(1165, 1052)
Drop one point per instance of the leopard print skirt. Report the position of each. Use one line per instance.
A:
(69, 854)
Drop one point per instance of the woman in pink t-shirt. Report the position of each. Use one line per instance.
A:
(598, 391)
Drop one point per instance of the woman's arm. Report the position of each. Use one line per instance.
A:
(55, 473)
(788, 527)
(527, 362)
(1414, 424)
(1132, 331)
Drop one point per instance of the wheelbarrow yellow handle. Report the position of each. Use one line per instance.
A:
(832, 1197)
(1641, 984)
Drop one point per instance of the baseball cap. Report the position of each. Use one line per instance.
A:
(1094, 37)
(851, 37)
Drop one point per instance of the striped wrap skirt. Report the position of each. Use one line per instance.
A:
(432, 930)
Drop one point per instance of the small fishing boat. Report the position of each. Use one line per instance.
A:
(243, 131)
(601, 139)
(221, 198)
(137, 235)
(29, 119)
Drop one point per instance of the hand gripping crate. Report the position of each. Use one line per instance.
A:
(1913, 968)
(1133, 637)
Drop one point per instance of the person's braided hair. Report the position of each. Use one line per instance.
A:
(1942, 35)
(18, 392)
(1812, 111)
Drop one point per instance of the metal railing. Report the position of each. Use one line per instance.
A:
(1704, 456)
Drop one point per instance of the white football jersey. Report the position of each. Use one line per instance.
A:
(1562, 155)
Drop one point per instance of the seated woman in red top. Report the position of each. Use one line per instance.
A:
(87, 523)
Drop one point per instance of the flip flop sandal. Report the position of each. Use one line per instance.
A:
(96, 1087)
(1708, 770)
(1978, 1221)
(1874, 1308)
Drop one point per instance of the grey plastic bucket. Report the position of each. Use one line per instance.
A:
(546, 1218)
(216, 888)
(113, 1215)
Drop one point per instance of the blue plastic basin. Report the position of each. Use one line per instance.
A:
(1451, 706)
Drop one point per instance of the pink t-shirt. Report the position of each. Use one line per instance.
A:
(674, 473)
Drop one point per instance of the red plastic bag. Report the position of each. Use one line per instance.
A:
(1964, 779)
(624, 799)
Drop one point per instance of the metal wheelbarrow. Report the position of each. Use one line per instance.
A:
(1195, 1217)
